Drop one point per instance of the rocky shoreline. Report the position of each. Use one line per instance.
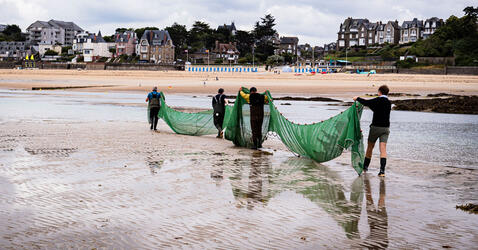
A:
(452, 104)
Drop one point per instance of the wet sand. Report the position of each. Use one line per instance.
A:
(338, 85)
(118, 185)
(104, 182)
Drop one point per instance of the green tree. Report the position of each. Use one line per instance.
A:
(109, 39)
(51, 53)
(12, 33)
(179, 35)
(264, 33)
(200, 36)
(275, 60)
(458, 38)
(244, 42)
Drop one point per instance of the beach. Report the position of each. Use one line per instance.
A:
(340, 84)
(79, 167)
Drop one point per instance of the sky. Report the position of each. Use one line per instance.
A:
(314, 22)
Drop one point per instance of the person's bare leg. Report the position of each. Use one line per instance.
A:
(383, 150)
(383, 158)
(368, 155)
(370, 147)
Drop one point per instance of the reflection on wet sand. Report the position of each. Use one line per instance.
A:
(253, 192)
(315, 182)
(154, 165)
(327, 191)
(377, 217)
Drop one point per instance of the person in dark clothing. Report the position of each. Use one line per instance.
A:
(380, 127)
(219, 106)
(154, 106)
(256, 102)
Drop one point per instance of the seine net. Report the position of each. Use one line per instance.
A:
(321, 141)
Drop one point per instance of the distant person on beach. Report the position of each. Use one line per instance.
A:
(256, 102)
(154, 105)
(380, 127)
(219, 106)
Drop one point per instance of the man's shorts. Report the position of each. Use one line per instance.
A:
(378, 132)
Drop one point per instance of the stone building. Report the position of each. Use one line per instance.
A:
(156, 46)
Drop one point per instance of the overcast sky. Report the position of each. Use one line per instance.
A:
(314, 22)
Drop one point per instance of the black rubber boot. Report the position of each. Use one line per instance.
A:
(366, 163)
(383, 162)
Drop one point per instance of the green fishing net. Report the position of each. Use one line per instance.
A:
(321, 141)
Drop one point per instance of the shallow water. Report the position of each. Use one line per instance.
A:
(443, 139)
(77, 172)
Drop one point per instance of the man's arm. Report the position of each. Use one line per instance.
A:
(245, 96)
(147, 98)
(369, 103)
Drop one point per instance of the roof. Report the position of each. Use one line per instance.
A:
(289, 40)
(96, 38)
(156, 37)
(434, 19)
(394, 24)
(351, 23)
(2, 27)
(55, 24)
(65, 25)
(125, 36)
(372, 26)
(225, 47)
(412, 24)
(231, 27)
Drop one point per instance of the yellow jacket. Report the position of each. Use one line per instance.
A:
(246, 97)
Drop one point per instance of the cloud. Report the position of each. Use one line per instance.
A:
(314, 22)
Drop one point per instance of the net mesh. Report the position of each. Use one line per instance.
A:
(321, 141)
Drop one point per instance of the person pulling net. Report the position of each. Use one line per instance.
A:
(321, 141)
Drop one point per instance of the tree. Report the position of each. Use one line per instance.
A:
(179, 35)
(244, 42)
(121, 30)
(457, 37)
(200, 36)
(51, 53)
(140, 31)
(264, 33)
(275, 60)
(109, 39)
(12, 33)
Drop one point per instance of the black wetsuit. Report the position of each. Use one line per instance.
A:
(154, 106)
(256, 102)
(219, 106)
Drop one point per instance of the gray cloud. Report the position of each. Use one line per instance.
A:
(314, 22)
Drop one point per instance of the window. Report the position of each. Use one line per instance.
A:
(414, 32)
(405, 32)
(370, 41)
(342, 36)
(350, 36)
(369, 34)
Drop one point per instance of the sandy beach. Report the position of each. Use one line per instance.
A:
(79, 168)
(342, 85)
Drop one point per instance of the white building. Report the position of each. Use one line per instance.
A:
(42, 48)
(52, 32)
(92, 46)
